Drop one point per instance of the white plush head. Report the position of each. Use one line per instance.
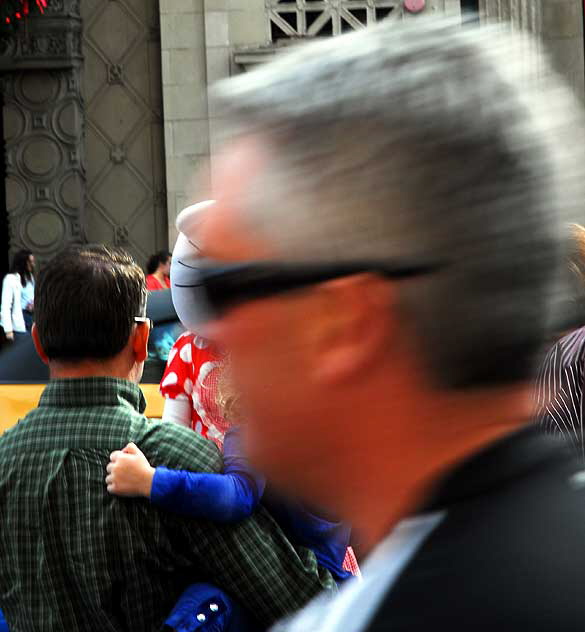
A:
(186, 257)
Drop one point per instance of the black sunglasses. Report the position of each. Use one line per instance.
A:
(213, 287)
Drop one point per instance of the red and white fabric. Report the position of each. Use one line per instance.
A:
(350, 563)
(153, 284)
(192, 376)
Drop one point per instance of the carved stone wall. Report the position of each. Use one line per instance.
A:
(43, 131)
(126, 195)
(51, 40)
(44, 172)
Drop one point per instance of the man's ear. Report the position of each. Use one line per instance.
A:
(38, 346)
(140, 342)
(356, 326)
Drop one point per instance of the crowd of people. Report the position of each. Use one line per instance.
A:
(367, 301)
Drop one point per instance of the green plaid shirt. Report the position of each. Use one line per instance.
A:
(72, 557)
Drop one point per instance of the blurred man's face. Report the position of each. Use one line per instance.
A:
(266, 339)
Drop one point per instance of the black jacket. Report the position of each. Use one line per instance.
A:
(510, 553)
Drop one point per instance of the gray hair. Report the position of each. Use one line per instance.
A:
(425, 140)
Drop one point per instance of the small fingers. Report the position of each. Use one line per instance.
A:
(110, 485)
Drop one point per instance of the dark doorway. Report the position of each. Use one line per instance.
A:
(470, 10)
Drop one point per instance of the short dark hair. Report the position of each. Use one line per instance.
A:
(86, 299)
(155, 260)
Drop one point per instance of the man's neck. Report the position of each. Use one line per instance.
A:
(392, 473)
(61, 370)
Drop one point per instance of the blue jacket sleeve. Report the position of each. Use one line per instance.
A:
(227, 497)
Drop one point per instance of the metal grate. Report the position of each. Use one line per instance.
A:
(290, 20)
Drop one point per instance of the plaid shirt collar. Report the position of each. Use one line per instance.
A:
(89, 392)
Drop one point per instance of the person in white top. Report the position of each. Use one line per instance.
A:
(18, 295)
(24, 266)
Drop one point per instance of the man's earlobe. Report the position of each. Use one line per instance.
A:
(140, 342)
(37, 343)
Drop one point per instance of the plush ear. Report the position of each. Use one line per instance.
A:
(140, 342)
(38, 346)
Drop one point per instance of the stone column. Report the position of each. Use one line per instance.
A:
(557, 23)
(43, 131)
(198, 39)
(186, 119)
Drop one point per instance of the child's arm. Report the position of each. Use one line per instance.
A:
(178, 411)
(217, 497)
(227, 497)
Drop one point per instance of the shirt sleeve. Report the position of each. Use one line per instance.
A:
(177, 411)
(227, 497)
(217, 497)
(251, 559)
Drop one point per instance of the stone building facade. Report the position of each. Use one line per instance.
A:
(233, 36)
(108, 128)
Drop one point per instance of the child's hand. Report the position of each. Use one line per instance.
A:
(129, 473)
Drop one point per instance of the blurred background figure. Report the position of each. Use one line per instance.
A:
(560, 401)
(26, 271)
(384, 262)
(18, 296)
(158, 269)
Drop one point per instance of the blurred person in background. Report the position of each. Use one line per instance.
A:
(158, 269)
(391, 213)
(26, 271)
(559, 393)
(17, 301)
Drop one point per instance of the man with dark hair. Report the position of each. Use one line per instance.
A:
(109, 292)
(74, 557)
